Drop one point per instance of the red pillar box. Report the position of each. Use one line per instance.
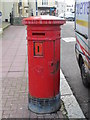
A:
(43, 36)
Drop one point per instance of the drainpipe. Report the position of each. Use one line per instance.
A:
(36, 9)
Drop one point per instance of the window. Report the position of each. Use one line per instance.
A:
(26, 11)
(67, 9)
(44, 2)
(20, 3)
(71, 10)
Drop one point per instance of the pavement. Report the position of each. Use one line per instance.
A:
(15, 81)
(4, 26)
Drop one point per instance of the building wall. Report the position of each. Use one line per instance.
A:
(0, 6)
(39, 2)
(61, 8)
(23, 9)
(32, 7)
(0, 17)
(6, 10)
(51, 3)
(70, 8)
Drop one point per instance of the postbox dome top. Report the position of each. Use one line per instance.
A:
(43, 19)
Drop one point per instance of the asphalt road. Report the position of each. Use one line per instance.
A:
(71, 70)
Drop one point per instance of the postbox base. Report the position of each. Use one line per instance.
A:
(44, 105)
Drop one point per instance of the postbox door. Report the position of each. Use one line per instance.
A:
(44, 74)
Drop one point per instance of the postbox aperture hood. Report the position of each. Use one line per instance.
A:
(43, 19)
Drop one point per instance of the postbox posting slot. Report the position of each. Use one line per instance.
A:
(38, 34)
(38, 48)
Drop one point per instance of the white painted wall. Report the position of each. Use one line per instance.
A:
(0, 6)
(6, 9)
(0, 16)
(51, 3)
(61, 8)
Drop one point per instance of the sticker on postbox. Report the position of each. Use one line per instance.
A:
(38, 49)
